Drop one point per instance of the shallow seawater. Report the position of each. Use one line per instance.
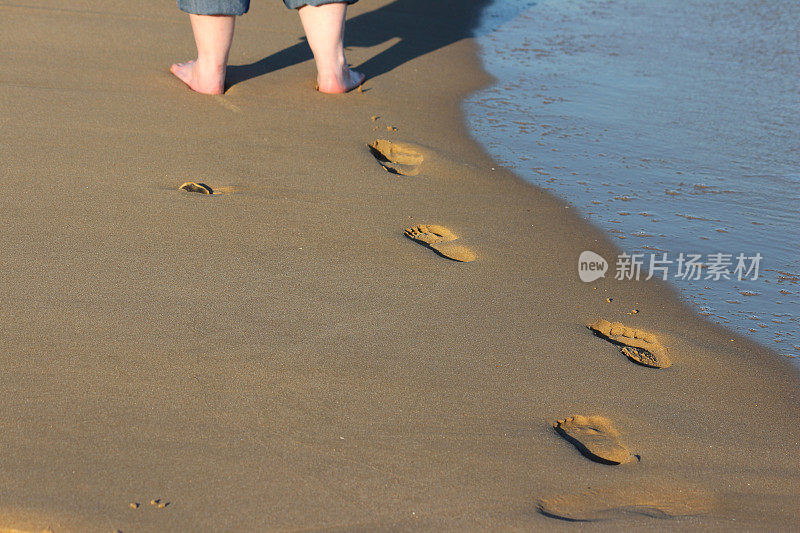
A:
(675, 126)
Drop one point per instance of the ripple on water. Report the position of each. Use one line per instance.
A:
(683, 112)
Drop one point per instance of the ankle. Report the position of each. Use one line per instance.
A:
(331, 66)
(212, 66)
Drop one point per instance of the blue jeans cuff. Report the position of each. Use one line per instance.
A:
(240, 7)
(214, 7)
(295, 4)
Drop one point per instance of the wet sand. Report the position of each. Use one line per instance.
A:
(285, 355)
(634, 116)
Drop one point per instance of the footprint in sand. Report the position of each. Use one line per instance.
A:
(637, 345)
(439, 239)
(397, 158)
(430, 234)
(201, 188)
(656, 499)
(596, 438)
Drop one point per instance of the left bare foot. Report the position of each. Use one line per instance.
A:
(201, 78)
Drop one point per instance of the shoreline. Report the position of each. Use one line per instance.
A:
(281, 356)
(607, 127)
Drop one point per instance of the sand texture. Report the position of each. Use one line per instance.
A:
(283, 355)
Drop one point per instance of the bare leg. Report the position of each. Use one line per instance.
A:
(324, 27)
(213, 35)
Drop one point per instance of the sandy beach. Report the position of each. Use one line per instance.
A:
(282, 356)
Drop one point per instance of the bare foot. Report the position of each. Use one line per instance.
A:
(201, 78)
(339, 81)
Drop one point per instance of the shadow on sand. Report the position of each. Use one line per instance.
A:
(400, 19)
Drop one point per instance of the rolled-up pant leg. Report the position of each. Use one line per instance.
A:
(240, 7)
(295, 4)
(214, 7)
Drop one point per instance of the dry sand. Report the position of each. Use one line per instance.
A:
(281, 356)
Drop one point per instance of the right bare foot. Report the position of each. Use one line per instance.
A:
(201, 78)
